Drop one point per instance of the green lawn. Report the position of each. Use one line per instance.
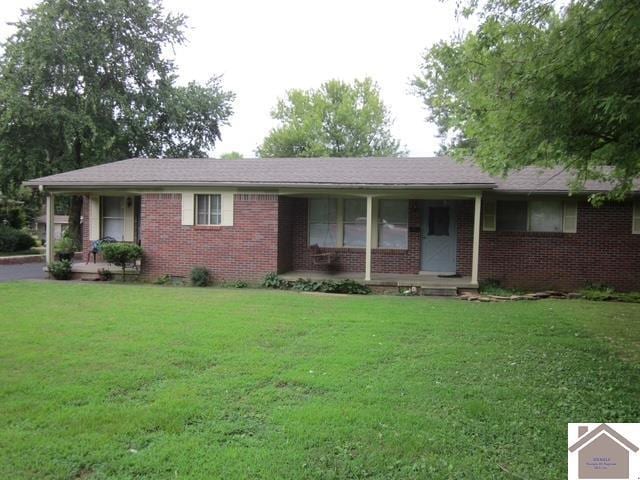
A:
(115, 381)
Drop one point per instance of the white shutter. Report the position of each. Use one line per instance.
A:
(187, 208)
(128, 219)
(94, 217)
(489, 215)
(227, 209)
(635, 228)
(570, 216)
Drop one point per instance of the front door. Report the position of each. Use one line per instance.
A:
(438, 237)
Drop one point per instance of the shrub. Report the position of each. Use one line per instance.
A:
(272, 280)
(65, 247)
(105, 275)
(13, 217)
(200, 277)
(331, 286)
(602, 293)
(122, 254)
(60, 270)
(240, 284)
(14, 240)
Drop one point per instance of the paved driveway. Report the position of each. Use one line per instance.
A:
(21, 271)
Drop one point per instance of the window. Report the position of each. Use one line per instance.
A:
(439, 221)
(545, 216)
(323, 222)
(113, 217)
(511, 216)
(355, 222)
(393, 223)
(208, 210)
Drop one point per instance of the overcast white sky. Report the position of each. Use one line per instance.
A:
(263, 48)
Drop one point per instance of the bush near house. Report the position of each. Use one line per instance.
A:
(200, 277)
(271, 280)
(60, 270)
(122, 254)
(14, 240)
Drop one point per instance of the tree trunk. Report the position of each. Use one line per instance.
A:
(75, 212)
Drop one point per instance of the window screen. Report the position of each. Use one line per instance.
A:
(511, 216)
(393, 223)
(323, 222)
(438, 221)
(545, 215)
(355, 222)
(208, 210)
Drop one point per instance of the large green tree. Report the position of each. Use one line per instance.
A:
(532, 85)
(336, 120)
(83, 82)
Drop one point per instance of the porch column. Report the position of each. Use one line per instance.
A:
(367, 255)
(50, 209)
(476, 239)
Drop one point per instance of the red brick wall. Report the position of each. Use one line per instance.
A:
(245, 251)
(603, 250)
(270, 234)
(352, 259)
(286, 207)
(464, 247)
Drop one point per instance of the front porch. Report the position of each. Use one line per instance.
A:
(89, 271)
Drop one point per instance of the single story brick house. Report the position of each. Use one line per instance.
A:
(379, 220)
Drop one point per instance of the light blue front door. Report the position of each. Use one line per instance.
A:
(439, 237)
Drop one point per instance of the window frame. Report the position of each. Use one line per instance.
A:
(528, 228)
(123, 201)
(345, 222)
(328, 222)
(381, 225)
(209, 213)
(560, 212)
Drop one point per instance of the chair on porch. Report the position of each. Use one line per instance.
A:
(318, 257)
(96, 247)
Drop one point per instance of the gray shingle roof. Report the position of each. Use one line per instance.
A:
(430, 172)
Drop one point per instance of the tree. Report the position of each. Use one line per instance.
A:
(231, 156)
(337, 120)
(85, 82)
(536, 86)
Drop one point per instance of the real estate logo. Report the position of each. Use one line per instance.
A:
(604, 451)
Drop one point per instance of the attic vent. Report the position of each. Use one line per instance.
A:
(257, 196)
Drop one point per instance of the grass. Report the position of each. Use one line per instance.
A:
(122, 381)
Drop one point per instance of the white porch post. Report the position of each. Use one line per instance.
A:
(476, 239)
(50, 209)
(367, 256)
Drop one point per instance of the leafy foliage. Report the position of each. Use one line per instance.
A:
(533, 86)
(337, 120)
(65, 245)
(272, 280)
(85, 83)
(14, 240)
(231, 156)
(601, 293)
(200, 277)
(121, 254)
(105, 275)
(60, 270)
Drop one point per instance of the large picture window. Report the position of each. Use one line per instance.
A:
(545, 215)
(540, 215)
(393, 223)
(355, 222)
(208, 210)
(511, 216)
(112, 209)
(323, 222)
